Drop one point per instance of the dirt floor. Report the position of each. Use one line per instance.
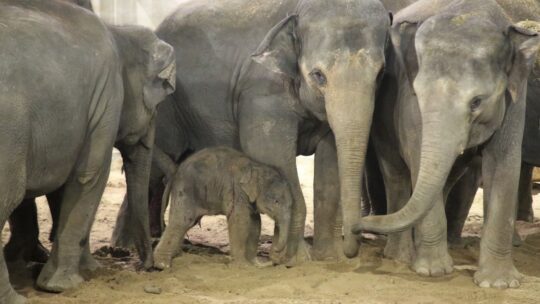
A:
(204, 274)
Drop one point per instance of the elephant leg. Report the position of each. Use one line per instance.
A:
(278, 148)
(80, 200)
(244, 234)
(501, 163)
(54, 200)
(397, 181)
(525, 211)
(182, 216)
(374, 184)
(24, 241)
(7, 293)
(88, 263)
(137, 163)
(327, 238)
(122, 235)
(460, 200)
(12, 183)
(432, 257)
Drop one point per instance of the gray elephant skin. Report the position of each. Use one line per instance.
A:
(277, 79)
(455, 87)
(223, 181)
(59, 133)
(142, 56)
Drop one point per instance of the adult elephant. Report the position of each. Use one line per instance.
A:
(148, 73)
(457, 87)
(463, 194)
(277, 79)
(59, 132)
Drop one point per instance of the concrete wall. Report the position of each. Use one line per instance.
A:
(144, 12)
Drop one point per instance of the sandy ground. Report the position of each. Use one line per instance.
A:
(205, 275)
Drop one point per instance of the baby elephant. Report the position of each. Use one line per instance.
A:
(223, 181)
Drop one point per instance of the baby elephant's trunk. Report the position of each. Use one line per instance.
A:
(283, 225)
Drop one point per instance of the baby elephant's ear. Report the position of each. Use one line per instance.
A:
(162, 68)
(249, 183)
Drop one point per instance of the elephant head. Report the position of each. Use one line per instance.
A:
(271, 194)
(466, 72)
(331, 55)
(149, 75)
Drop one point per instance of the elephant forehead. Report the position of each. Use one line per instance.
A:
(461, 37)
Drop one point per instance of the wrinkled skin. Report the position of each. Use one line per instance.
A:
(276, 87)
(148, 73)
(61, 133)
(223, 181)
(458, 78)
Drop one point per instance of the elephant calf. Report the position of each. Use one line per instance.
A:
(223, 181)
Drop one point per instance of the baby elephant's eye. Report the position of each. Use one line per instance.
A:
(276, 201)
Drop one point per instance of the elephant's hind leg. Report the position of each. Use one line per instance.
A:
(12, 184)
(24, 241)
(79, 205)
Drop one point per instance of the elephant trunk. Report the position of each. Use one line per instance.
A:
(439, 151)
(350, 115)
(284, 224)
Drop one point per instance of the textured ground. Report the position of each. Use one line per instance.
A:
(205, 275)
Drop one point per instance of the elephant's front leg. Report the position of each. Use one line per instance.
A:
(327, 238)
(432, 257)
(137, 161)
(244, 233)
(500, 172)
(269, 134)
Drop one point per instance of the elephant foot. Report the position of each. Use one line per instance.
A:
(122, 240)
(262, 264)
(58, 280)
(330, 251)
(498, 274)
(400, 247)
(302, 255)
(89, 263)
(27, 251)
(162, 262)
(433, 261)
(12, 297)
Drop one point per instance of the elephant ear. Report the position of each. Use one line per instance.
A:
(526, 44)
(249, 182)
(278, 52)
(162, 70)
(403, 36)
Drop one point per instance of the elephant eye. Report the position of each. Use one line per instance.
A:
(318, 76)
(476, 103)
